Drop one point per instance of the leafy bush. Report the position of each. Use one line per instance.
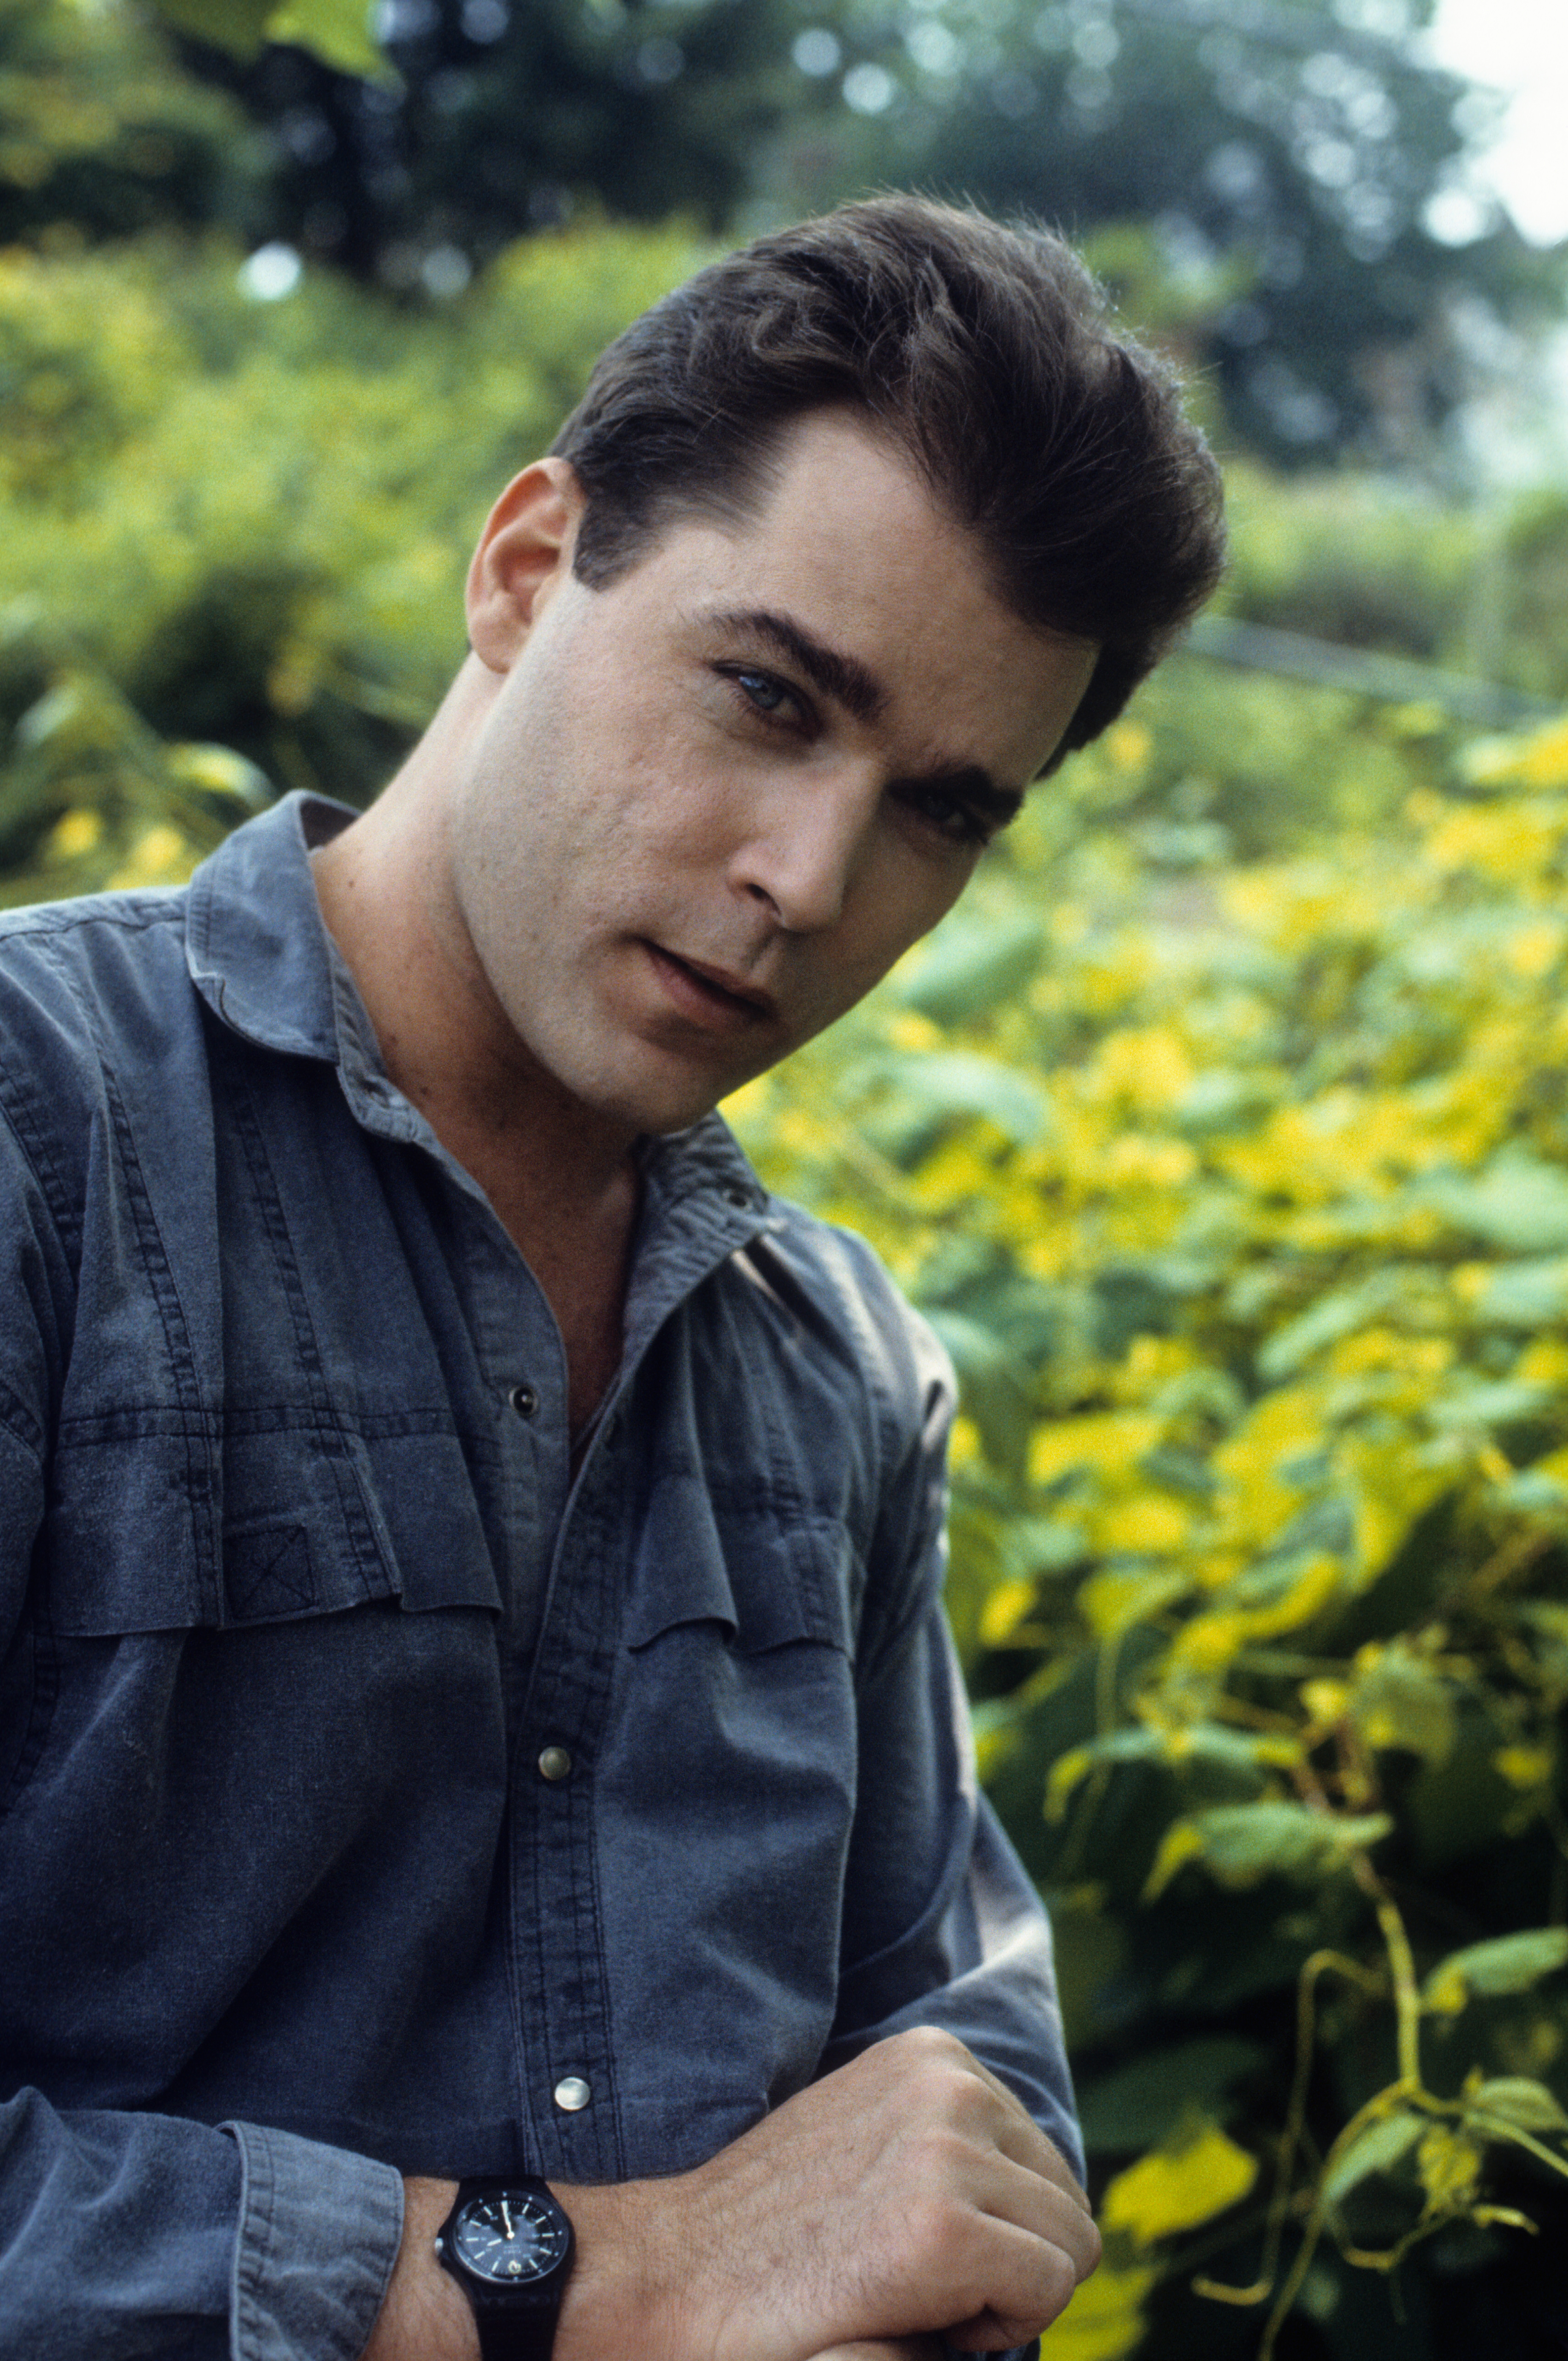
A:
(1243, 1210)
(253, 520)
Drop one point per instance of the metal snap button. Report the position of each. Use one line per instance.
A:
(572, 2094)
(524, 1399)
(554, 1764)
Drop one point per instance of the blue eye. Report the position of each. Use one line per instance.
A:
(764, 690)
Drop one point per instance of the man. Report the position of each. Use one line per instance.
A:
(476, 1708)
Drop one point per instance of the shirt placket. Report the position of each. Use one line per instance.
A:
(560, 1996)
(567, 2095)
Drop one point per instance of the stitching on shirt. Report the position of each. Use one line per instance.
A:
(33, 1143)
(369, 1561)
(589, 1926)
(138, 1422)
(253, 2251)
(553, 1867)
(18, 1419)
(200, 1478)
(201, 1475)
(129, 912)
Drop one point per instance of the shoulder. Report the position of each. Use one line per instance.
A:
(835, 1296)
(89, 969)
(92, 993)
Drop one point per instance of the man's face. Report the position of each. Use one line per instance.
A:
(707, 807)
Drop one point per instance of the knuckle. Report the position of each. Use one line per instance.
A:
(930, 2042)
(1058, 2279)
(932, 2230)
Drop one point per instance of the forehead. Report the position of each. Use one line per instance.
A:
(848, 540)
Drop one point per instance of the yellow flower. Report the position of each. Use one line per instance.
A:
(1111, 1441)
(1105, 2321)
(76, 833)
(1533, 950)
(1523, 1766)
(1149, 1526)
(1540, 760)
(161, 856)
(1177, 2186)
(1129, 745)
(1510, 841)
(1004, 1609)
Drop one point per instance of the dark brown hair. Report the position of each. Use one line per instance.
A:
(986, 353)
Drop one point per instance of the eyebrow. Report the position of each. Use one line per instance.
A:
(844, 679)
(857, 688)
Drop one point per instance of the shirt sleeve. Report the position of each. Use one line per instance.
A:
(128, 2233)
(122, 2233)
(319, 2230)
(942, 1925)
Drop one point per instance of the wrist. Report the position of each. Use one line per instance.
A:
(630, 2287)
(425, 2316)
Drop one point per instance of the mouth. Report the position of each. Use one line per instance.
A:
(712, 994)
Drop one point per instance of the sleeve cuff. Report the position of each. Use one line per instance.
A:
(319, 2230)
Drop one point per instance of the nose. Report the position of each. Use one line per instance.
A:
(804, 846)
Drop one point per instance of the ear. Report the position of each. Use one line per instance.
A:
(524, 552)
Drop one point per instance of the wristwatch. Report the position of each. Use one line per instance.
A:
(509, 2246)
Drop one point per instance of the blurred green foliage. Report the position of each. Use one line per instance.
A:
(1222, 1131)
(250, 522)
(99, 139)
(1302, 167)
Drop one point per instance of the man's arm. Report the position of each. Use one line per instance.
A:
(234, 2244)
(237, 2244)
(904, 2196)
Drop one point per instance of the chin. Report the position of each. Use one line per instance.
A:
(643, 1107)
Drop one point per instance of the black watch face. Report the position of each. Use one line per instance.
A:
(508, 2236)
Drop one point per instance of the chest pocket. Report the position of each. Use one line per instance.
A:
(760, 1573)
(150, 1527)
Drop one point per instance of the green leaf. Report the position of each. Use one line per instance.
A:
(1530, 1294)
(1516, 2099)
(1401, 1704)
(950, 1083)
(1333, 1316)
(237, 25)
(1472, 1405)
(1510, 1963)
(1240, 1843)
(1376, 2149)
(972, 962)
(1518, 1203)
(336, 31)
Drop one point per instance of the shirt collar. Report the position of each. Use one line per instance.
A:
(254, 944)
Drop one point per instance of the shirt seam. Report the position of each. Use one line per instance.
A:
(253, 2245)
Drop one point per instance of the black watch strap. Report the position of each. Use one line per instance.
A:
(515, 2336)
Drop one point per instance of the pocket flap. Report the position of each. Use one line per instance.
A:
(770, 1576)
(140, 1537)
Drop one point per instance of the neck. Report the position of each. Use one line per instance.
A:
(560, 1178)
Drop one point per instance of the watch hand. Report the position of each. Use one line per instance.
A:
(505, 2216)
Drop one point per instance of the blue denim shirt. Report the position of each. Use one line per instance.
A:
(372, 1784)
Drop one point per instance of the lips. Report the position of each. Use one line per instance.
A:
(713, 996)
